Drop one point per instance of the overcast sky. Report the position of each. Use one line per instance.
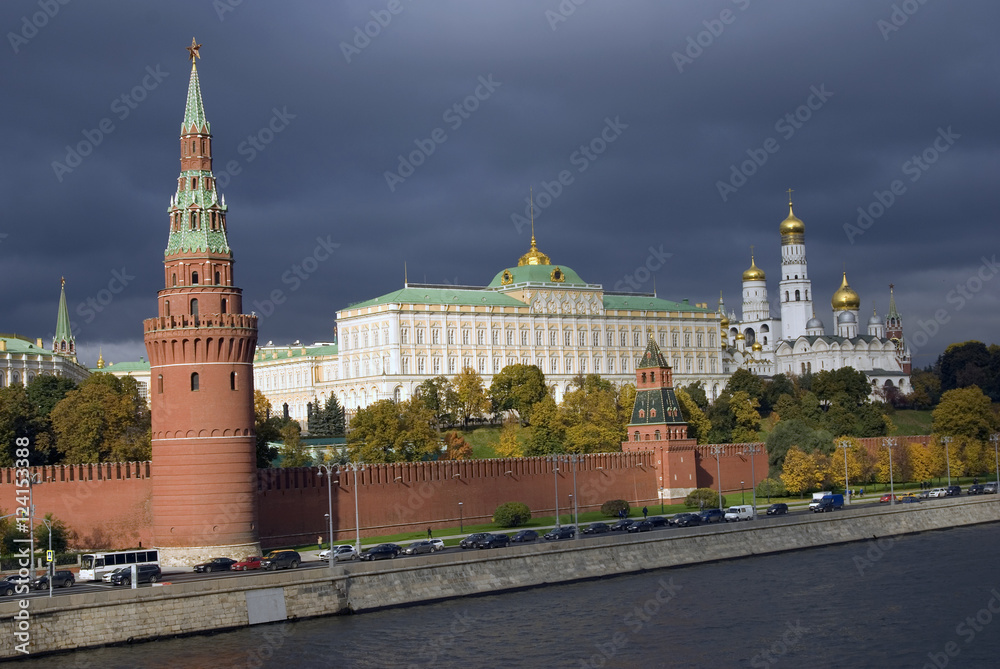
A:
(649, 111)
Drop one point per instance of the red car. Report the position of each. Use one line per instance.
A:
(252, 562)
(888, 497)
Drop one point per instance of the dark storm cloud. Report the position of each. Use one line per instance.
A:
(690, 87)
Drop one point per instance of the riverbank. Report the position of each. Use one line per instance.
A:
(112, 617)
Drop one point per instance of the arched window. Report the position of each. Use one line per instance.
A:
(194, 307)
(194, 381)
(194, 220)
(786, 296)
(159, 383)
(194, 278)
(656, 435)
(652, 414)
(635, 436)
(217, 277)
(224, 305)
(797, 297)
(174, 277)
(642, 413)
(652, 377)
(232, 380)
(166, 307)
(644, 377)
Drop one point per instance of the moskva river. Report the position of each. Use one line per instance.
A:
(929, 600)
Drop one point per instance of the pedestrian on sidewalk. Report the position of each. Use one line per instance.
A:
(429, 533)
(645, 512)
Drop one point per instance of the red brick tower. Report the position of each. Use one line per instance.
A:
(657, 425)
(201, 350)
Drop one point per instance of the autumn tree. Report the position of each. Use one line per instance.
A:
(104, 419)
(267, 429)
(747, 419)
(293, 451)
(388, 431)
(801, 472)
(470, 396)
(901, 470)
(795, 433)
(456, 447)
(859, 463)
(517, 388)
(509, 446)
(964, 412)
(590, 416)
(927, 461)
(698, 424)
(625, 400)
(547, 432)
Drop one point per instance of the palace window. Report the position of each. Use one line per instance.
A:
(420, 365)
(624, 339)
(420, 335)
(451, 337)
(451, 365)
(568, 338)
(406, 365)
(583, 338)
(524, 337)
(435, 336)
(711, 339)
(465, 337)
(539, 338)
(673, 339)
(437, 366)
(597, 339)
(597, 365)
(611, 365)
(663, 339)
(569, 365)
(554, 365)
(552, 338)
(687, 340)
(496, 337)
(404, 336)
(510, 337)
(698, 338)
(480, 337)
(496, 365)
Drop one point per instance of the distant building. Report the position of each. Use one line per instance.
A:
(139, 370)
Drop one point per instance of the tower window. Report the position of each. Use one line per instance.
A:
(194, 381)
(166, 307)
(217, 281)
(797, 298)
(224, 306)
(159, 383)
(194, 307)
(194, 182)
(194, 278)
(174, 278)
(194, 220)
(232, 380)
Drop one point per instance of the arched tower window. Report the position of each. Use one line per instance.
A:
(224, 305)
(174, 278)
(194, 278)
(635, 436)
(194, 307)
(232, 380)
(194, 220)
(217, 277)
(656, 435)
(166, 307)
(797, 297)
(194, 381)
(159, 383)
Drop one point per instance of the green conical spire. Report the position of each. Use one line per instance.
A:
(652, 357)
(64, 333)
(892, 304)
(194, 110)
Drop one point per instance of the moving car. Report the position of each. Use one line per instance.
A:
(472, 540)
(938, 492)
(975, 489)
(381, 552)
(658, 521)
(495, 541)
(622, 524)
(712, 516)
(252, 562)
(418, 547)
(215, 564)
(953, 490)
(524, 536)
(888, 497)
(777, 509)
(145, 573)
(9, 584)
(438, 544)
(564, 532)
(61, 579)
(597, 528)
(686, 519)
(285, 559)
(990, 488)
(641, 526)
(743, 512)
(829, 503)
(344, 552)
(910, 499)
(107, 577)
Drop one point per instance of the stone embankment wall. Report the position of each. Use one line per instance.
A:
(93, 619)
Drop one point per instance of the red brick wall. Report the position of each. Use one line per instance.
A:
(734, 466)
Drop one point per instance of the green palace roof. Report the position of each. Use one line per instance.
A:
(559, 275)
(442, 295)
(129, 366)
(17, 344)
(647, 303)
(295, 351)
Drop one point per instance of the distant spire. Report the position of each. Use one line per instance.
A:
(100, 358)
(194, 110)
(892, 304)
(63, 341)
(406, 282)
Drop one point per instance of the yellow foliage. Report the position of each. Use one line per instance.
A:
(803, 471)
(509, 446)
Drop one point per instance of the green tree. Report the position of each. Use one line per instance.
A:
(17, 419)
(625, 401)
(964, 412)
(267, 430)
(964, 364)
(590, 416)
(326, 420)
(512, 514)
(60, 534)
(46, 391)
(387, 431)
(470, 396)
(439, 396)
(795, 433)
(926, 389)
(103, 420)
(517, 388)
(745, 381)
(845, 386)
(293, 451)
(771, 488)
(778, 386)
(699, 426)
(704, 498)
(547, 432)
(747, 420)
(697, 394)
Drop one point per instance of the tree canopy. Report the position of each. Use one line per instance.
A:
(517, 388)
(388, 431)
(103, 420)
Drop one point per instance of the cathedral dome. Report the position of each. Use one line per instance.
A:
(753, 273)
(757, 347)
(724, 323)
(846, 318)
(814, 323)
(845, 299)
(792, 225)
(740, 337)
(874, 319)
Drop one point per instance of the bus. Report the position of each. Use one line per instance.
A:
(94, 566)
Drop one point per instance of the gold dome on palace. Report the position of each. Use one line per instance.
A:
(846, 298)
(533, 256)
(792, 225)
(753, 273)
(757, 347)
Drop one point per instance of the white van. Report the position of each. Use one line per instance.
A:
(737, 513)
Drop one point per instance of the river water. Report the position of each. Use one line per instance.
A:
(929, 600)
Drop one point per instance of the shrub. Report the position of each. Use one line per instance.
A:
(703, 498)
(771, 488)
(612, 508)
(512, 514)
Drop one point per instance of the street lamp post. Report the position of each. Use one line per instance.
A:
(845, 444)
(353, 467)
(743, 496)
(51, 571)
(717, 451)
(555, 477)
(890, 443)
(752, 451)
(996, 438)
(461, 520)
(947, 456)
(328, 469)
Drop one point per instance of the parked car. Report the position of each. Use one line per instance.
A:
(61, 579)
(495, 541)
(777, 509)
(990, 488)
(215, 564)
(938, 492)
(658, 521)
(975, 489)
(742, 512)
(712, 515)
(418, 547)
(340, 553)
(381, 552)
(107, 577)
(953, 490)
(888, 497)
(252, 562)
(641, 526)
(524, 536)
(145, 573)
(564, 532)
(597, 528)
(285, 559)
(472, 540)
(830, 503)
(687, 519)
(622, 524)
(7, 587)
(438, 544)
(910, 499)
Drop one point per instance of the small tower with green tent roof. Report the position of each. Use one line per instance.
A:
(63, 342)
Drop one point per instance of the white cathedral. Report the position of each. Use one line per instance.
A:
(797, 343)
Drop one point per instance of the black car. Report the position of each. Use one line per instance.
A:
(381, 552)
(9, 584)
(641, 526)
(494, 541)
(597, 528)
(953, 490)
(564, 532)
(61, 579)
(524, 536)
(658, 521)
(472, 540)
(687, 519)
(712, 516)
(280, 560)
(145, 573)
(622, 524)
(975, 489)
(778, 509)
(215, 564)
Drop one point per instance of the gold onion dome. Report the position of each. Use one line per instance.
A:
(753, 273)
(533, 256)
(740, 336)
(757, 347)
(724, 323)
(792, 225)
(845, 299)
